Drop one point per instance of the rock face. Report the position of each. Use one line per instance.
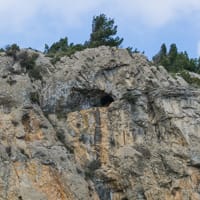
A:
(100, 125)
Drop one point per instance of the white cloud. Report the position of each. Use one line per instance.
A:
(158, 12)
(16, 14)
(71, 12)
(34, 21)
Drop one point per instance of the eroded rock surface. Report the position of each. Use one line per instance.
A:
(100, 125)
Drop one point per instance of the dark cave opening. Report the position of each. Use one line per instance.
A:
(78, 99)
(106, 100)
(84, 99)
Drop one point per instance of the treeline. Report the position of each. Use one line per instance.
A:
(103, 33)
(178, 62)
(175, 61)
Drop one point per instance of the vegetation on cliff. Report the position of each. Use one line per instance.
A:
(175, 61)
(178, 62)
(104, 32)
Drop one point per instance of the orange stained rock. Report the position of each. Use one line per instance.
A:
(38, 135)
(43, 179)
(104, 146)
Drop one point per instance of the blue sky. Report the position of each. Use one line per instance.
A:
(144, 24)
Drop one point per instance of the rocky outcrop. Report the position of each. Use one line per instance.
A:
(100, 125)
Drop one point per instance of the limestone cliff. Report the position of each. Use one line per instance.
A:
(100, 125)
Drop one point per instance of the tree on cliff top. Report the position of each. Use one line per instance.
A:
(103, 32)
(161, 57)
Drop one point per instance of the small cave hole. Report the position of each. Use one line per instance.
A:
(106, 100)
(9, 151)
(26, 122)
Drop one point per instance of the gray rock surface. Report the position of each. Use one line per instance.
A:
(101, 124)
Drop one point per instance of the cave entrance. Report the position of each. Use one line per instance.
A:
(81, 99)
(106, 100)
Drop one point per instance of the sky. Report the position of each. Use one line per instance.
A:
(144, 24)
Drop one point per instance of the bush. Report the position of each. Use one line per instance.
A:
(61, 48)
(34, 96)
(55, 59)
(191, 80)
(35, 73)
(11, 50)
(28, 62)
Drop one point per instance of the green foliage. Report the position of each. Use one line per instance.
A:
(73, 48)
(28, 62)
(178, 62)
(195, 65)
(46, 48)
(161, 57)
(55, 59)
(131, 51)
(62, 48)
(175, 61)
(103, 32)
(191, 80)
(34, 97)
(172, 55)
(35, 73)
(182, 62)
(11, 50)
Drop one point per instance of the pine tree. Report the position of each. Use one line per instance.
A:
(173, 52)
(103, 31)
(60, 46)
(161, 57)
